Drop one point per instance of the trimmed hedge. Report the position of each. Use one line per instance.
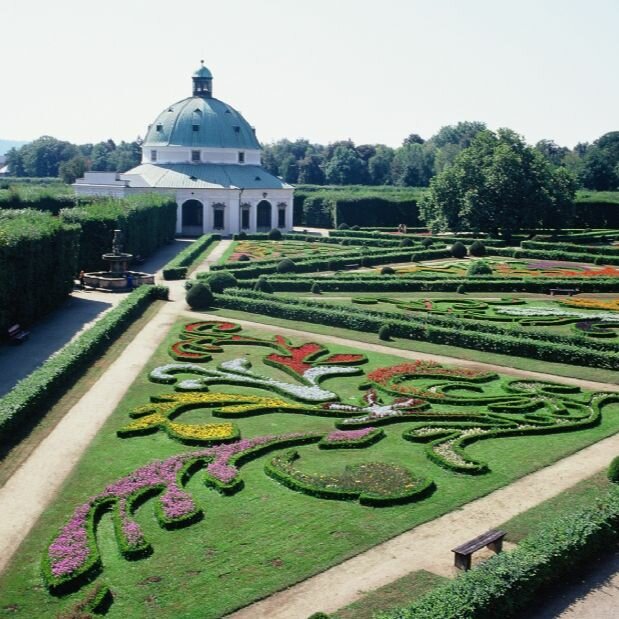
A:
(38, 256)
(535, 344)
(147, 221)
(508, 583)
(39, 197)
(32, 396)
(179, 265)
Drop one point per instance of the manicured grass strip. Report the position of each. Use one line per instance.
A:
(178, 267)
(402, 591)
(585, 493)
(33, 395)
(509, 582)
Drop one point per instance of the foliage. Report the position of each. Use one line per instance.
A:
(275, 234)
(384, 333)
(220, 280)
(38, 255)
(479, 267)
(613, 470)
(316, 288)
(499, 184)
(286, 266)
(477, 249)
(199, 296)
(458, 250)
(147, 221)
(263, 285)
(179, 265)
(33, 395)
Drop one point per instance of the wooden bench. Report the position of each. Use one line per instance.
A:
(493, 539)
(569, 291)
(353, 265)
(16, 334)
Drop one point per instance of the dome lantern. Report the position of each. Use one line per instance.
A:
(202, 82)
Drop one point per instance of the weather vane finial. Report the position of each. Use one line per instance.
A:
(202, 61)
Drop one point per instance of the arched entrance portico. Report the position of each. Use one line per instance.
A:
(192, 218)
(264, 215)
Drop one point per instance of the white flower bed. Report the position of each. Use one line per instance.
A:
(558, 312)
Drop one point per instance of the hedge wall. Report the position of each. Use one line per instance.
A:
(596, 250)
(38, 255)
(511, 583)
(50, 198)
(436, 329)
(33, 396)
(148, 221)
(178, 266)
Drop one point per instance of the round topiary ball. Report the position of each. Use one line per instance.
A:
(458, 250)
(387, 271)
(427, 243)
(343, 226)
(243, 258)
(263, 285)
(275, 234)
(479, 267)
(241, 236)
(406, 242)
(285, 266)
(613, 470)
(316, 288)
(477, 249)
(461, 289)
(220, 280)
(384, 333)
(199, 296)
(355, 227)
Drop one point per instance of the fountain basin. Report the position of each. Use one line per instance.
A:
(117, 282)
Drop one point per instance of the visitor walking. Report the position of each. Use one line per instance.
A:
(129, 282)
(81, 279)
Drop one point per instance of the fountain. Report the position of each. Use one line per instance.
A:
(118, 277)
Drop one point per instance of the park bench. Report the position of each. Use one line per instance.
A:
(16, 334)
(493, 539)
(352, 265)
(569, 291)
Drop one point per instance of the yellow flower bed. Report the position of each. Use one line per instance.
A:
(600, 304)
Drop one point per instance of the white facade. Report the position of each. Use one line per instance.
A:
(205, 154)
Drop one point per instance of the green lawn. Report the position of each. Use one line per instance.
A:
(265, 537)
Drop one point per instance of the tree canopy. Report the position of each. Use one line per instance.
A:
(499, 185)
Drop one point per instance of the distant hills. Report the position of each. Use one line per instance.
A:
(6, 145)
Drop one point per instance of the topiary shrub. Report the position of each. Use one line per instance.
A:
(199, 296)
(458, 250)
(243, 258)
(241, 236)
(477, 249)
(343, 226)
(479, 267)
(406, 242)
(461, 289)
(355, 228)
(275, 234)
(427, 243)
(365, 261)
(599, 260)
(316, 288)
(387, 271)
(613, 470)
(384, 333)
(263, 285)
(220, 280)
(319, 616)
(285, 266)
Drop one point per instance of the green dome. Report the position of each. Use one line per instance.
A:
(203, 72)
(201, 122)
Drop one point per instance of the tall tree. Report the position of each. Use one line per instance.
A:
(345, 167)
(499, 185)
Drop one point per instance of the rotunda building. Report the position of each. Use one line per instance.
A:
(204, 152)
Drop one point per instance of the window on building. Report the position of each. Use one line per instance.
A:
(245, 219)
(195, 127)
(195, 156)
(153, 155)
(159, 127)
(281, 218)
(218, 219)
(241, 157)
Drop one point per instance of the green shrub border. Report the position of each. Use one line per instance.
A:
(178, 267)
(509, 582)
(33, 396)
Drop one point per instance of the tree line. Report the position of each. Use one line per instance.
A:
(413, 164)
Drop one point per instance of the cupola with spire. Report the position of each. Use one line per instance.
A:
(202, 82)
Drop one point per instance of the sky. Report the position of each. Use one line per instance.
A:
(372, 71)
